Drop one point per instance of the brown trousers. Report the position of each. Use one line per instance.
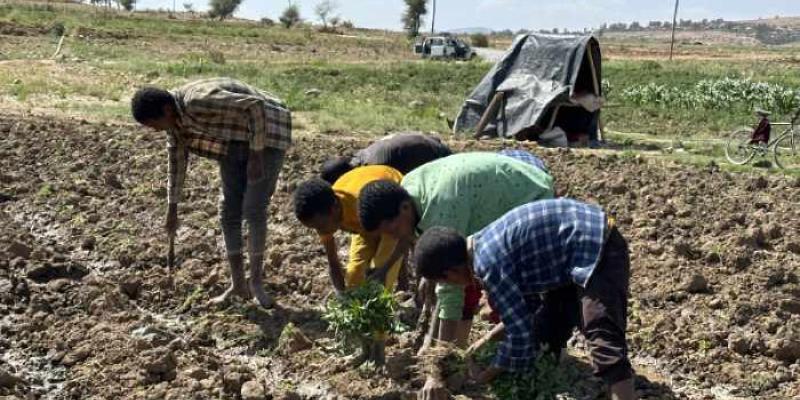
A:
(600, 311)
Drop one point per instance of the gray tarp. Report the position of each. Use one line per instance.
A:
(537, 73)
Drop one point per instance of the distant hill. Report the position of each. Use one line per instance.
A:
(785, 22)
(774, 31)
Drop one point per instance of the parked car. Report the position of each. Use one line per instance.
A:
(443, 47)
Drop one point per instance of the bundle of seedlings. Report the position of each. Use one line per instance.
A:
(544, 381)
(361, 318)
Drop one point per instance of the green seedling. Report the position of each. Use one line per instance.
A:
(359, 314)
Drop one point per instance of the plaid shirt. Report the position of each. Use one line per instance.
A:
(213, 112)
(534, 248)
(526, 157)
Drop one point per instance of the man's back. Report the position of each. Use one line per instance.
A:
(467, 191)
(404, 152)
(543, 244)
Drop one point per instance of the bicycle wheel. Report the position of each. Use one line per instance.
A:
(738, 150)
(787, 151)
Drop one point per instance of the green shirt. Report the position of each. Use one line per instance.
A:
(466, 192)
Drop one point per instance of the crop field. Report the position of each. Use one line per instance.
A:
(88, 308)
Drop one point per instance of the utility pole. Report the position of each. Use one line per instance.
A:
(433, 16)
(674, 22)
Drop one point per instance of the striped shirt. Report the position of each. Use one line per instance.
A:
(532, 249)
(211, 113)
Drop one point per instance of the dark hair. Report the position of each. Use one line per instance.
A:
(148, 103)
(313, 197)
(335, 168)
(438, 250)
(380, 201)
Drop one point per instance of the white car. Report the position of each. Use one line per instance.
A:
(443, 47)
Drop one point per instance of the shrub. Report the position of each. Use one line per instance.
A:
(222, 8)
(479, 40)
(290, 16)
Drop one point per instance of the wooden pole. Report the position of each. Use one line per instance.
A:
(593, 70)
(674, 22)
(491, 111)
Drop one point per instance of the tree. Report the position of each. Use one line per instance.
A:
(188, 7)
(290, 16)
(128, 5)
(324, 10)
(222, 8)
(412, 17)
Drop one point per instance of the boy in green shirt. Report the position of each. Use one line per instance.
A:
(465, 192)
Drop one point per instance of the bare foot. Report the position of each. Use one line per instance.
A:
(232, 291)
(261, 297)
(362, 357)
(238, 284)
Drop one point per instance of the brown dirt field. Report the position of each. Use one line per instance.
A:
(87, 309)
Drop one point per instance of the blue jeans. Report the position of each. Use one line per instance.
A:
(243, 201)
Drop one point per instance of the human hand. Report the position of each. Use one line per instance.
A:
(434, 389)
(479, 375)
(378, 275)
(474, 347)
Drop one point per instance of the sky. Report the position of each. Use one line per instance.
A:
(514, 14)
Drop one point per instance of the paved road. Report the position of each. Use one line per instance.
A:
(488, 54)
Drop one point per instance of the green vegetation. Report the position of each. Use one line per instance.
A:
(726, 93)
(361, 313)
(368, 82)
(694, 99)
(545, 380)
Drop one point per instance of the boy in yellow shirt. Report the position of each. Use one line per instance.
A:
(329, 208)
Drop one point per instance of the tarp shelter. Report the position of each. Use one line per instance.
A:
(528, 91)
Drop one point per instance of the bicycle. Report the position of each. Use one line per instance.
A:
(745, 143)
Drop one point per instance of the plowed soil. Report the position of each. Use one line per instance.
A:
(89, 310)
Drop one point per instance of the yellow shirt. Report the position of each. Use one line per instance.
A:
(349, 185)
(366, 250)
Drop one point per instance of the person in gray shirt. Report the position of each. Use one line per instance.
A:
(402, 151)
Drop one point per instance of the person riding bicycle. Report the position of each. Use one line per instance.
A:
(762, 131)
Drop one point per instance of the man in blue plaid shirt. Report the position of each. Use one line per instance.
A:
(534, 249)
